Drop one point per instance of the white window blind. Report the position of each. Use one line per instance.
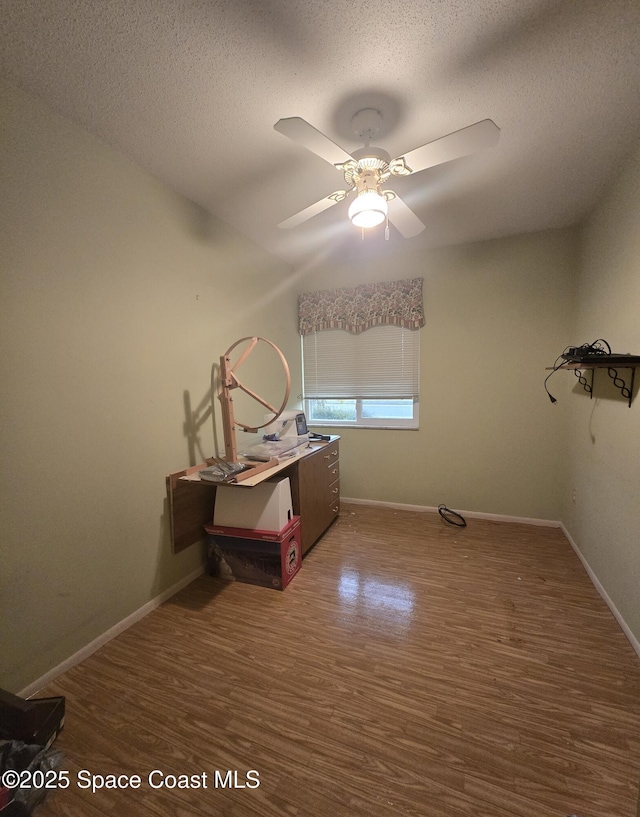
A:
(383, 362)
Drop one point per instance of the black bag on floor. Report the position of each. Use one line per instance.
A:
(25, 760)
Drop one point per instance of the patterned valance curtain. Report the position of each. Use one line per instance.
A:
(356, 309)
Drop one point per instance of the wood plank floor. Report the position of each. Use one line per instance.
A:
(411, 668)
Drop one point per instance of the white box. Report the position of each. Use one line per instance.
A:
(266, 506)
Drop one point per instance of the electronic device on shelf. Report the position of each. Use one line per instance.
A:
(597, 352)
(579, 355)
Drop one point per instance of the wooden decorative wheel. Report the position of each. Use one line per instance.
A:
(229, 381)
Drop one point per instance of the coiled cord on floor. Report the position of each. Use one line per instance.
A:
(452, 517)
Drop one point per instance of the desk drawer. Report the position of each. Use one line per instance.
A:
(331, 454)
(333, 493)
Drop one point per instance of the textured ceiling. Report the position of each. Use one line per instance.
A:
(191, 89)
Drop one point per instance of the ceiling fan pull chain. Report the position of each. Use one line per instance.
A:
(386, 229)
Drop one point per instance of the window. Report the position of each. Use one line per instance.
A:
(369, 379)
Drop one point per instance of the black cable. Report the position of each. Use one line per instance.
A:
(558, 363)
(452, 517)
(594, 349)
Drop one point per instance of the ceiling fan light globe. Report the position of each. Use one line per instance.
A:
(368, 209)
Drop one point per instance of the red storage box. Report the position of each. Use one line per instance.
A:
(267, 558)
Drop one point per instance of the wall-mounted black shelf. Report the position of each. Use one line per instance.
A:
(612, 363)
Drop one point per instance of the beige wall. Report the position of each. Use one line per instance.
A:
(117, 297)
(604, 463)
(497, 313)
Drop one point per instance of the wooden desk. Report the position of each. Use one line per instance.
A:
(314, 474)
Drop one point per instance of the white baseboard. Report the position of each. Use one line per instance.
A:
(492, 517)
(605, 596)
(101, 640)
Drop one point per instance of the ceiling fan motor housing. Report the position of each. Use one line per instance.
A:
(367, 179)
(368, 170)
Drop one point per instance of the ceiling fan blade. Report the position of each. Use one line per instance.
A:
(464, 142)
(313, 209)
(304, 134)
(403, 218)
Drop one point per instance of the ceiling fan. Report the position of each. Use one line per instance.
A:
(366, 170)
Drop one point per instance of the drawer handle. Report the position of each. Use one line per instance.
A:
(336, 509)
(334, 453)
(327, 456)
(335, 491)
(335, 471)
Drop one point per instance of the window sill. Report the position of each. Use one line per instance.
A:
(344, 426)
